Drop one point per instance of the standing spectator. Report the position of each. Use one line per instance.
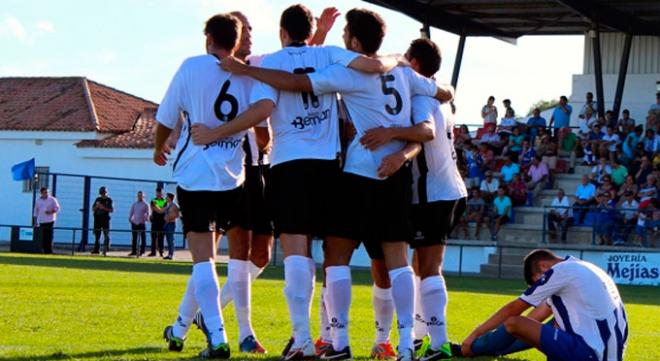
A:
(509, 169)
(517, 191)
(507, 106)
(102, 209)
(502, 212)
(171, 214)
(45, 214)
(568, 147)
(586, 197)
(599, 170)
(560, 213)
(489, 112)
(475, 212)
(588, 104)
(626, 123)
(619, 173)
(508, 122)
(631, 141)
(655, 108)
(561, 116)
(606, 216)
(538, 175)
(489, 187)
(138, 217)
(157, 223)
(609, 143)
(534, 123)
(628, 208)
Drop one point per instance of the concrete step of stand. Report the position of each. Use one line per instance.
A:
(507, 271)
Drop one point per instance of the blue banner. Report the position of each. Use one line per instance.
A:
(23, 170)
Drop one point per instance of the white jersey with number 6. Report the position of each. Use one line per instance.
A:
(373, 101)
(207, 95)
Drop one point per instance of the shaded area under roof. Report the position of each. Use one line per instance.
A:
(515, 18)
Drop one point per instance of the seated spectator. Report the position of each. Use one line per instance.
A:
(588, 158)
(628, 186)
(619, 173)
(606, 187)
(645, 168)
(534, 123)
(599, 170)
(515, 142)
(509, 169)
(631, 141)
(561, 116)
(656, 160)
(559, 214)
(626, 123)
(586, 197)
(648, 191)
(651, 142)
(508, 122)
(651, 120)
(492, 139)
(487, 157)
(628, 208)
(461, 138)
(550, 155)
(474, 164)
(501, 212)
(504, 145)
(489, 112)
(541, 141)
(489, 187)
(517, 190)
(476, 208)
(568, 147)
(586, 123)
(527, 153)
(595, 137)
(609, 143)
(537, 176)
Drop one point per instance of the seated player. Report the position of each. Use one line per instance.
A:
(590, 319)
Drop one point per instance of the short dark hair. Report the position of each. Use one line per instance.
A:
(626, 111)
(297, 21)
(159, 189)
(491, 98)
(170, 195)
(224, 29)
(590, 94)
(506, 101)
(368, 27)
(563, 97)
(427, 55)
(530, 263)
(42, 189)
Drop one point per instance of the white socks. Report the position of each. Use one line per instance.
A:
(298, 289)
(419, 329)
(434, 303)
(338, 283)
(226, 295)
(187, 311)
(206, 289)
(383, 312)
(326, 334)
(403, 294)
(238, 279)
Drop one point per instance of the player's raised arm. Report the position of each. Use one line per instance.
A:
(254, 115)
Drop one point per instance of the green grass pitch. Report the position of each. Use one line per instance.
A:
(63, 308)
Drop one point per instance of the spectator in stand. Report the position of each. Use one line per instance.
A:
(652, 120)
(527, 155)
(628, 186)
(534, 123)
(502, 212)
(588, 104)
(656, 160)
(517, 191)
(631, 141)
(561, 116)
(651, 143)
(45, 212)
(476, 208)
(609, 143)
(606, 216)
(606, 187)
(138, 217)
(508, 122)
(102, 209)
(628, 208)
(515, 142)
(655, 108)
(626, 123)
(487, 157)
(600, 170)
(507, 106)
(595, 137)
(610, 120)
(157, 223)
(538, 176)
(489, 187)
(550, 155)
(461, 138)
(505, 142)
(509, 169)
(171, 214)
(474, 163)
(491, 138)
(589, 158)
(489, 112)
(559, 214)
(586, 123)
(586, 197)
(619, 173)
(645, 169)
(648, 191)
(568, 148)
(541, 141)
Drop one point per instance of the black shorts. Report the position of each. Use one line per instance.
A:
(101, 222)
(374, 211)
(209, 211)
(256, 193)
(433, 222)
(302, 193)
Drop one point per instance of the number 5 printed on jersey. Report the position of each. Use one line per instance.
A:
(387, 90)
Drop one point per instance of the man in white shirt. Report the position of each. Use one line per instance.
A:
(209, 174)
(559, 214)
(45, 212)
(488, 187)
(610, 141)
(589, 104)
(590, 318)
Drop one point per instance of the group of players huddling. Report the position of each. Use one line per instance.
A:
(310, 142)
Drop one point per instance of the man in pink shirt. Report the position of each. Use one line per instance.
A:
(45, 213)
(138, 217)
(538, 175)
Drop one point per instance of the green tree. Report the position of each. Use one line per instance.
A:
(543, 105)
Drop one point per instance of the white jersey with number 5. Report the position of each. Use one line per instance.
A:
(207, 95)
(435, 174)
(585, 302)
(373, 101)
(304, 124)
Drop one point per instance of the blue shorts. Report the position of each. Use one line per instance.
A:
(560, 345)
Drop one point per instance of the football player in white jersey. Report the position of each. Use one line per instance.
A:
(209, 176)
(304, 162)
(439, 198)
(590, 319)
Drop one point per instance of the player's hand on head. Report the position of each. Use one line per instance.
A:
(201, 134)
(391, 164)
(326, 21)
(160, 156)
(375, 137)
(232, 65)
